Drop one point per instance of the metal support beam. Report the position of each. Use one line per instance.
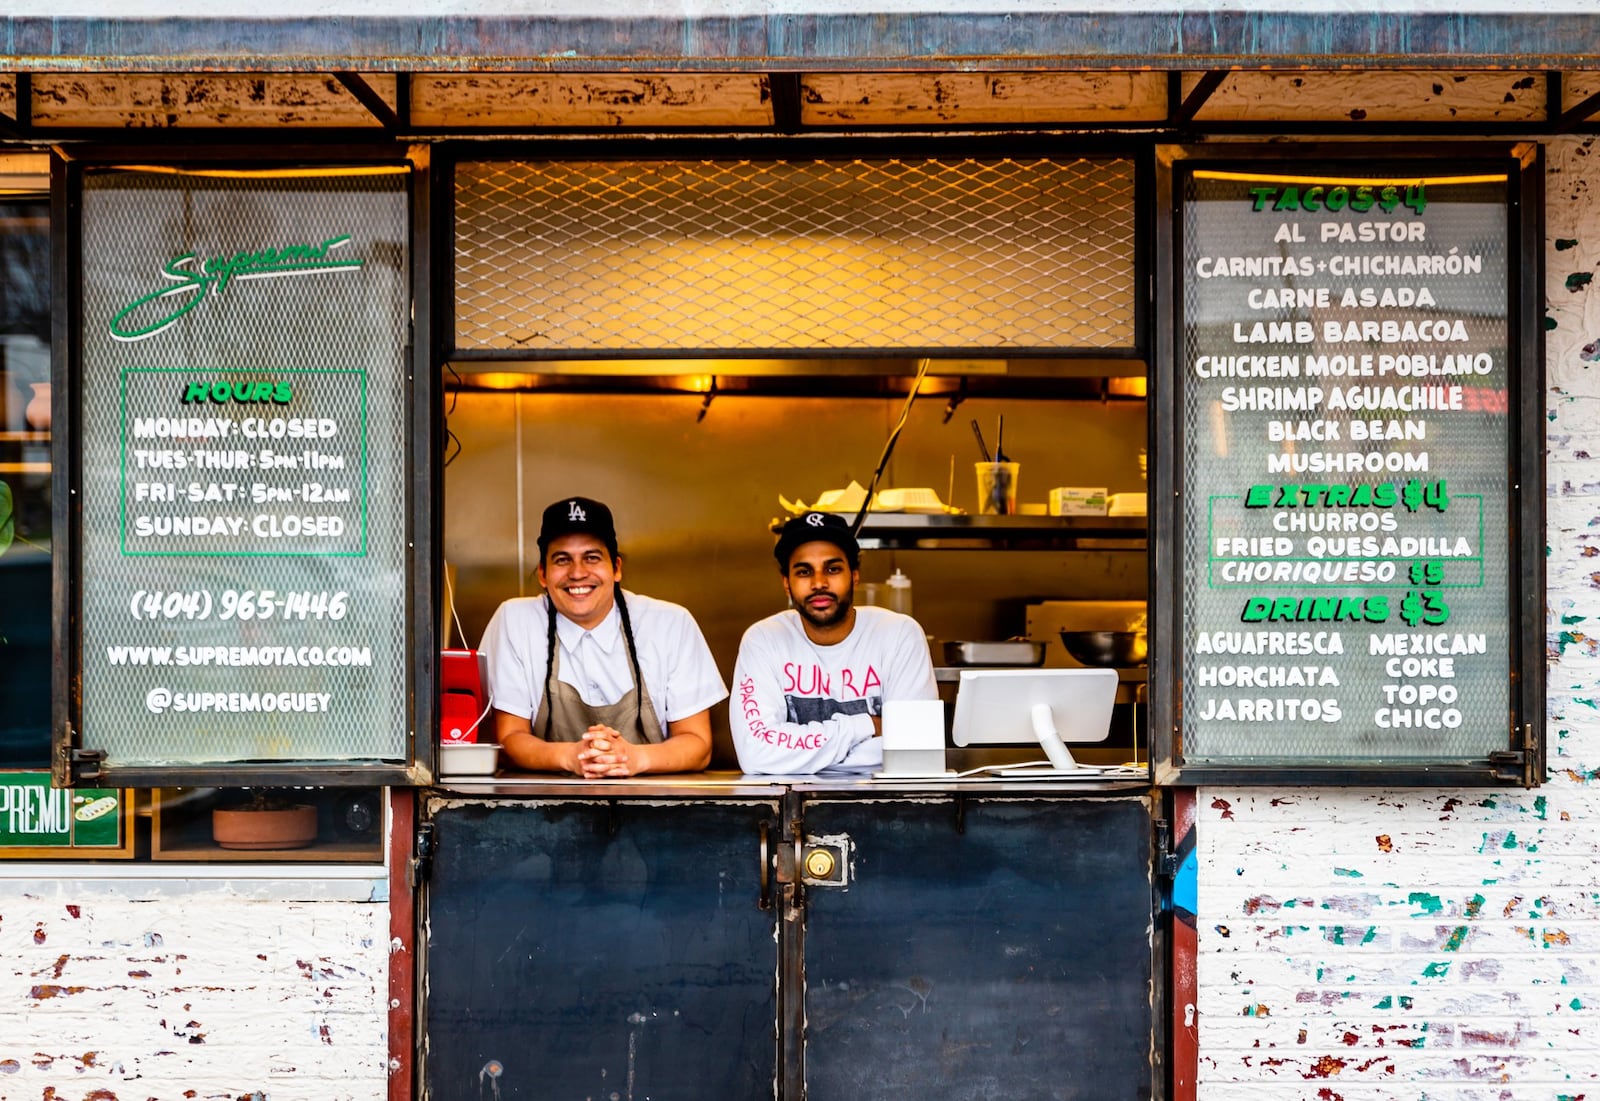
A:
(1576, 115)
(785, 101)
(1189, 106)
(20, 125)
(164, 36)
(357, 86)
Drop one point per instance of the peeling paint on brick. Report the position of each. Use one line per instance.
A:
(121, 1026)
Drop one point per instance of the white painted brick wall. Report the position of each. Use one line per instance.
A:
(201, 994)
(1365, 945)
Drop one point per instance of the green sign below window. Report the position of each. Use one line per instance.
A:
(34, 815)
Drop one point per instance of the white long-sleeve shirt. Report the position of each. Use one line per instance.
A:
(798, 707)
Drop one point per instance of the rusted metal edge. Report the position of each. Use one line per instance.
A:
(815, 42)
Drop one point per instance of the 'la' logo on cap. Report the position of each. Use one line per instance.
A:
(575, 511)
(815, 519)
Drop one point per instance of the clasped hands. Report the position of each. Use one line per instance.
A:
(602, 752)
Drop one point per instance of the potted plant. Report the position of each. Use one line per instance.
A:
(268, 821)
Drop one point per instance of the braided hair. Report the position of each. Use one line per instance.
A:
(550, 661)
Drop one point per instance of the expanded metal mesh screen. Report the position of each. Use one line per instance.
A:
(244, 470)
(647, 256)
(1344, 399)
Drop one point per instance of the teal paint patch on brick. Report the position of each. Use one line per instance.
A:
(1511, 840)
(1430, 904)
(1350, 873)
(1565, 243)
(1453, 944)
(1372, 935)
(1436, 970)
(1576, 1003)
(1540, 807)
(1578, 280)
(1386, 1002)
(1569, 620)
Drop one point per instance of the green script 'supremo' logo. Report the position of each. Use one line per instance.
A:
(194, 277)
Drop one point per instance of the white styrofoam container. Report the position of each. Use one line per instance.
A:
(468, 758)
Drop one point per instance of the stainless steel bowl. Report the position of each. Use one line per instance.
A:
(1016, 651)
(1107, 649)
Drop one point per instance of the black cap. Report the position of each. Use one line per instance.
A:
(578, 516)
(811, 527)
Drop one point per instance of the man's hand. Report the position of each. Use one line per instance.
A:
(605, 753)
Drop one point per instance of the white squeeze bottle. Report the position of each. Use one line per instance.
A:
(899, 592)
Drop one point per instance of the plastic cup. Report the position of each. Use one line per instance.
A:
(997, 488)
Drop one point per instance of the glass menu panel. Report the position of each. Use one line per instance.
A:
(1346, 360)
(244, 471)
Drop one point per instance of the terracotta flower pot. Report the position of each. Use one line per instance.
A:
(253, 828)
(37, 411)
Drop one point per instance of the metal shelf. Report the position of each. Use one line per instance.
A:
(936, 531)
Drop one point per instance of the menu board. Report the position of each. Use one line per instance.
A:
(1346, 358)
(244, 466)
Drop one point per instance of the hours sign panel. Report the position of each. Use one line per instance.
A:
(243, 472)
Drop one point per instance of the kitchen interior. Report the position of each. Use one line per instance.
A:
(699, 467)
(709, 345)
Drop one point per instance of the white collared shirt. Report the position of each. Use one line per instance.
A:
(676, 663)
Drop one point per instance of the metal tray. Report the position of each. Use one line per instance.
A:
(1014, 652)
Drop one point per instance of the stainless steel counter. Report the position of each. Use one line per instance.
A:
(735, 786)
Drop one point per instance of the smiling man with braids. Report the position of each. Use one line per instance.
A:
(593, 680)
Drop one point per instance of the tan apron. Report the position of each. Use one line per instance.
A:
(572, 716)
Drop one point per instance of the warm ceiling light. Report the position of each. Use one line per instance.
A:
(497, 380)
(1351, 181)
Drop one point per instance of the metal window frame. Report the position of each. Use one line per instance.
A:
(1522, 761)
(72, 763)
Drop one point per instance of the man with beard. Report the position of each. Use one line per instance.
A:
(809, 683)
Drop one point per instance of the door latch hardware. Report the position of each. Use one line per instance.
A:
(421, 856)
(825, 861)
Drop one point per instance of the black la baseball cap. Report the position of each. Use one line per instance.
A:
(811, 527)
(578, 516)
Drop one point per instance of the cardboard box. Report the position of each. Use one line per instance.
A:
(1078, 501)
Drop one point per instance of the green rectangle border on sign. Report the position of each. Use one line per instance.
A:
(122, 850)
(1212, 559)
(123, 479)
